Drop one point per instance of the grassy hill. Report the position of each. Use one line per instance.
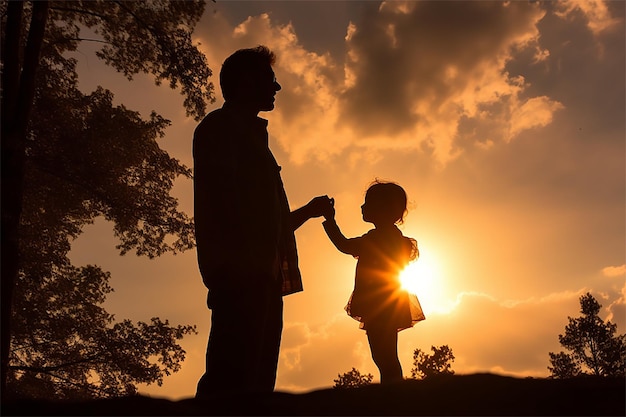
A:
(464, 395)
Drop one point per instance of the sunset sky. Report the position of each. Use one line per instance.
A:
(503, 121)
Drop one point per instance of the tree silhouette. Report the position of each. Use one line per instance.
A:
(66, 346)
(563, 366)
(426, 365)
(352, 379)
(69, 157)
(594, 348)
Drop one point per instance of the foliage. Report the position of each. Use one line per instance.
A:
(426, 365)
(593, 347)
(107, 161)
(65, 345)
(563, 366)
(352, 379)
(152, 37)
(84, 158)
(108, 155)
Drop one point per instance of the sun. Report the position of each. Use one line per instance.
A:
(425, 279)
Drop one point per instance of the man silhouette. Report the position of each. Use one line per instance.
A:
(244, 229)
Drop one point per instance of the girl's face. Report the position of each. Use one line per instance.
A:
(370, 209)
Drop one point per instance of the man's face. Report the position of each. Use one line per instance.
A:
(264, 89)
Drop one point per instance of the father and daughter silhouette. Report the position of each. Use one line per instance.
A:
(253, 259)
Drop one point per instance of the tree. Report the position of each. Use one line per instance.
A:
(352, 379)
(426, 365)
(594, 348)
(564, 366)
(66, 346)
(62, 169)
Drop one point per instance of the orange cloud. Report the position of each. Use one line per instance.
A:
(614, 271)
(330, 348)
(508, 337)
(617, 310)
(406, 83)
(413, 80)
(535, 112)
(595, 12)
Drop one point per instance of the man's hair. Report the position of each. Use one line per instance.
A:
(243, 63)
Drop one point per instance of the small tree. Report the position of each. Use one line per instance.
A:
(563, 366)
(594, 347)
(352, 379)
(439, 363)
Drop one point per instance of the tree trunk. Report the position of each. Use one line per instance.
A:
(18, 83)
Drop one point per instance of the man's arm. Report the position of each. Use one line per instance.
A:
(214, 200)
(314, 208)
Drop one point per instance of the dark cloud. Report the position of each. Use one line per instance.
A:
(408, 60)
(583, 70)
(320, 23)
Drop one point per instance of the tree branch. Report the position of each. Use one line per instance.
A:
(137, 18)
(48, 369)
(81, 11)
(88, 386)
(156, 33)
(88, 40)
(90, 189)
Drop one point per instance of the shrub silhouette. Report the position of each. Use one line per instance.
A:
(352, 379)
(426, 365)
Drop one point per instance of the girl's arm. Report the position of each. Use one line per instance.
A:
(345, 245)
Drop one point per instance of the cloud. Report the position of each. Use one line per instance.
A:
(416, 70)
(535, 112)
(511, 337)
(595, 12)
(295, 337)
(615, 297)
(304, 121)
(614, 271)
(408, 81)
(312, 356)
(507, 336)
(617, 310)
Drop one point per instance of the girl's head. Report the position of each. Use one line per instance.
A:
(385, 202)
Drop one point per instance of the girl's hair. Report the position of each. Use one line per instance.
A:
(391, 197)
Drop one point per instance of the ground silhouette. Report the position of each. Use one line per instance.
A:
(460, 395)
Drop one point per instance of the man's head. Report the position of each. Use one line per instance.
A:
(247, 78)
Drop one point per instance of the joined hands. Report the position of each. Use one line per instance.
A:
(322, 206)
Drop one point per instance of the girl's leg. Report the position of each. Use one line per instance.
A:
(384, 347)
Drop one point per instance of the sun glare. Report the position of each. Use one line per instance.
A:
(425, 279)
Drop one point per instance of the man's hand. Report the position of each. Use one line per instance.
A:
(317, 207)
(320, 206)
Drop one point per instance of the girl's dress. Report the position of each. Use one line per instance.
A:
(378, 297)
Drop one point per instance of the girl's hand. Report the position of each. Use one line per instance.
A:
(329, 211)
(319, 206)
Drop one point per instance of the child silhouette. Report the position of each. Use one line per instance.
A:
(378, 301)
